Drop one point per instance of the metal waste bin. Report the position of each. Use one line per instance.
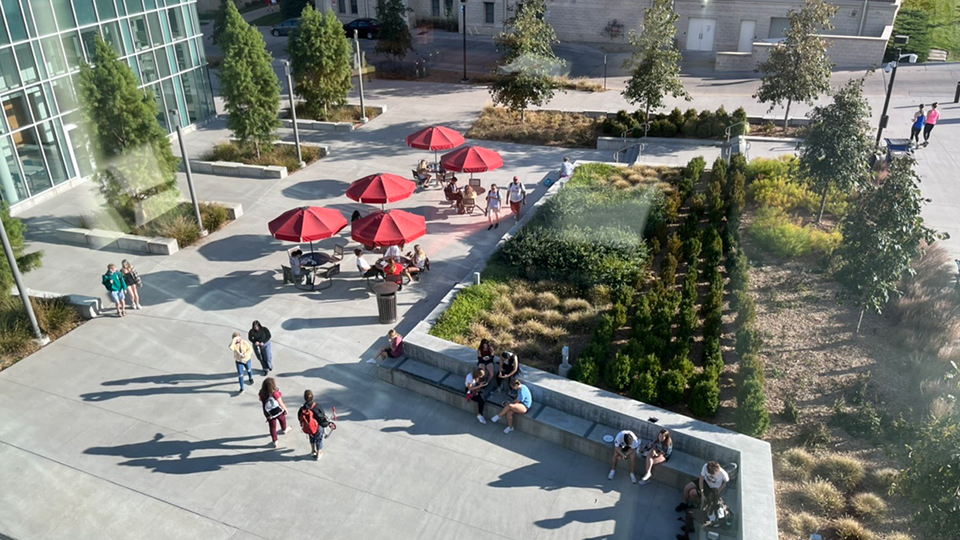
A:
(387, 307)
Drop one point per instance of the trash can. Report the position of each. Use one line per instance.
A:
(387, 307)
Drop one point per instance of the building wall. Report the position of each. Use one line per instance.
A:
(43, 43)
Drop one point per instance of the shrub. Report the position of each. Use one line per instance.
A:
(845, 472)
(174, 225)
(585, 370)
(868, 506)
(780, 167)
(668, 129)
(675, 246)
(680, 362)
(847, 528)
(214, 216)
(926, 317)
(644, 387)
(883, 479)
(695, 168)
(813, 434)
(751, 416)
(746, 309)
(719, 170)
(747, 341)
(691, 249)
(796, 464)
(547, 300)
(690, 127)
(802, 524)
(672, 386)
(822, 495)
(618, 372)
(705, 398)
(576, 304)
(790, 412)
(713, 363)
(737, 271)
(466, 308)
(898, 536)
(712, 247)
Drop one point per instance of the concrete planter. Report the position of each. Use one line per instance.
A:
(88, 307)
(316, 125)
(228, 168)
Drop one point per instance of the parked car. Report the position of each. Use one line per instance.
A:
(284, 28)
(366, 28)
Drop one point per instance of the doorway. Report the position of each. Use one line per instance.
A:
(747, 30)
(700, 34)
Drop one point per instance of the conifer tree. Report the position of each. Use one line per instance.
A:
(320, 57)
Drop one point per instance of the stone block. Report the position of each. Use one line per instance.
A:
(73, 236)
(343, 126)
(423, 371)
(225, 168)
(272, 172)
(130, 242)
(99, 239)
(599, 431)
(87, 307)
(392, 363)
(163, 246)
(564, 421)
(453, 383)
(234, 210)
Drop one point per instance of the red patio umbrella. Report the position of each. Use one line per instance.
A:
(435, 138)
(388, 228)
(307, 224)
(472, 159)
(381, 188)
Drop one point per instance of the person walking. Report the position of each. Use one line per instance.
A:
(476, 384)
(132, 278)
(274, 410)
(259, 337)
(242, 351)
(519, 406)
(625, 446)
(493, 207)
(115, 284)
(931, 122)
(313, 421)
(919, 118)
(517, 195)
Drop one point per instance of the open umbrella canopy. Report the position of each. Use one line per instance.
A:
(389, 228)
(471, 159)
(307, 224)
(435, 138)
(381, 188)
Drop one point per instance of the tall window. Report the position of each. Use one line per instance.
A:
(488, 12)
(342, 5)
(353, 7)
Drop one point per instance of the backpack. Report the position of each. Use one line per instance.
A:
(272, 407)
(107, 281)
(309, 423)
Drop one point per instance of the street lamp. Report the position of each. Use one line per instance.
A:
(186, 168)
(293, 111)
(356, 44)
(463, 10)
(24, 295)
(899, 42)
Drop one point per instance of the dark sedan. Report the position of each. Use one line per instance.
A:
(366, 28)
(284, 28)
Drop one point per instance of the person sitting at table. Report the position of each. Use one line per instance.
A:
(469, 195)
(452, 193)
(418, 262)
(423, 172)
(393, 252)
(395, 272)
(365, 269)
(295, 264)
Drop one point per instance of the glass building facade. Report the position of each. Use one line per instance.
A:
(43, 43)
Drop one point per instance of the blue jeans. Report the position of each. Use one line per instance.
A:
(316, 440)
(244, 368)
(264, 355)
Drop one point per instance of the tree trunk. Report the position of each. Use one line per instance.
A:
(860, 320)
(786, 116)
(823, 204)
(646, 120)
(256, 147)
(522, 115)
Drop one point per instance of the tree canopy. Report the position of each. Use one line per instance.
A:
(320, 58)
(835, 150)
(655, 63)
(798, 68)
(394, 38)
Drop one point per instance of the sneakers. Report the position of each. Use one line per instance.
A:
(490, 227)
(633, 478)
(681, 507)
(612, 473)
(372, 361)
(318, 455)
(495, 418)
(497, 226)
(507, 430)
(282, 432)
(646, 478)
(481, 419)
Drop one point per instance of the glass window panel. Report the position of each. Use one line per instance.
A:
(28, 18)
(148, 67)
(201, 52)
(169, 96)
(133, 6)
(165, 24)
(194, 55)
(183, 56)
(156, 35)
(121, 9)
(71, 47)
(65, 94)
(86, 14)
(106, 9)
(51, 146)
(41, 69)
(4, 39)
(353, 7)
(9, 76)
(111, 33)
(38, 104)
(12, 187)
(135, 66)
(175, 18)
(31, 157)
(207, 91)
(138, 25)
(80, 151)
(16, 110)
(188, 17)
(161, 110)
(150, 4)
(14, 20)
(28, 68)
(88, 36)
(53, 56)
(192, 96)
(43, 14)
(182, 106)
(163, 63)
(127, 40)
(63, 13)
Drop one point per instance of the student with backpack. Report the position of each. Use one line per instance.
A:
(312, 422)
(274, 410)
(115, 284)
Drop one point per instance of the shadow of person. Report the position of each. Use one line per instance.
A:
(165, 384)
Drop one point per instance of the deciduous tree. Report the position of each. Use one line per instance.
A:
(394, 38)
(799, 68)
(932, 478)
(655, 63)
(835, 151)
(320, 57)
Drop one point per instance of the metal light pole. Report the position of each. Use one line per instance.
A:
(356, 43)
(463, 10)
(186, 167)
(24, 296)
(293, 111)
(900, 41)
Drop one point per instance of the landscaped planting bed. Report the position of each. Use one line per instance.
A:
(337, 113)
(569, 130)
(281, 155)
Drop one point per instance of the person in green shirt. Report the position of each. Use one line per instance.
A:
(115, 284)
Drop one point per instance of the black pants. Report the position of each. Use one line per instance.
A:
(478, 398)
(915, 134)
(927, 128)
(373, 271)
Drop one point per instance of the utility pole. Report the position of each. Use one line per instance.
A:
(24, 296)
(293, 111)
(186, 167)
(463, 10)
(356, 43)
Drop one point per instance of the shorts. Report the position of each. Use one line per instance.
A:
(515, 207)
(317, 438)
(118, 296)
(391, 355)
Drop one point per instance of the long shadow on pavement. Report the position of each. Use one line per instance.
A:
(166, 384)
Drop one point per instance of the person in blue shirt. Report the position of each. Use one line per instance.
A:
(919, 119)
(519, 406)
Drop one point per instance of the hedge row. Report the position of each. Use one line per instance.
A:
(691, 124)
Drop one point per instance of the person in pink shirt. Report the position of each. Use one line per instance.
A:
(931, 122)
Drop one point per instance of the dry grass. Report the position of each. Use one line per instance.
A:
(569, 130)
(898, 536)
(845, 472)
(927, 316)
(796, 464)
(54, 316)
(802, 524)
(869, 506)
(847, 528)
(883, 479)
(341, 113)
(282, 155)
(823, 496)
(579, 84)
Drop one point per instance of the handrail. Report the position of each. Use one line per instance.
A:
(731, 126)
(616, 155)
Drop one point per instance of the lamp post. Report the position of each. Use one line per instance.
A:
(293, 111)
(186, 168)
(899, 42)
(463, 11)
(356, 44)
(24, 296)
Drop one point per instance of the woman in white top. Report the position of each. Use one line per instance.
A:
(625, 446)
(493, 207)
(418, 262)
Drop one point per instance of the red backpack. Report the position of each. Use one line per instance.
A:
(308, 422)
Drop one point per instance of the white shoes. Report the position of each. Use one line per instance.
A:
(495, 418)
(613, 472)
(633, 478)
(481, 419)
(372, 361)
(507, 430)
(646, 479)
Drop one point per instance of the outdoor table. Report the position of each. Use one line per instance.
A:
(315, 259)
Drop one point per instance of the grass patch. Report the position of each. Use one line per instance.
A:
(271, 19)
(282, 155)
(845, 472)
(54, 316)
(179, 222)
(465, 309)
(868, 506)
(847, 528)
(571, 130)
(796, 464)
(823, 496)
(339, 113)
(778, 233)
(802, 524)
(579, 84)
